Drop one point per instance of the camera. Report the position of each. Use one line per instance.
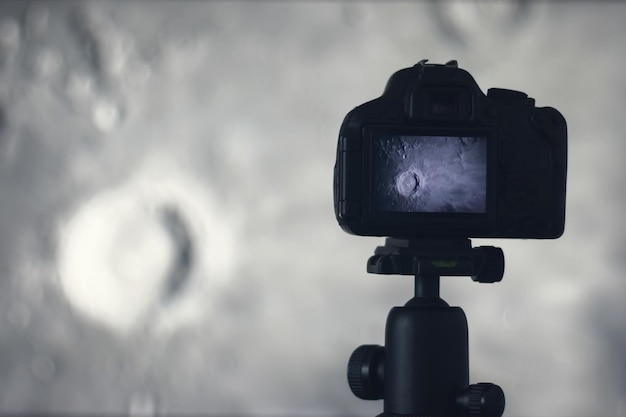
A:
(436, 158)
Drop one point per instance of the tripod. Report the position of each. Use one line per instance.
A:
(423, 369)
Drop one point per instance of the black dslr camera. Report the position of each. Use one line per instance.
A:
(434, 157)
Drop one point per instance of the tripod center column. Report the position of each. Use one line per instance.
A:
(426, 357)
(426, 286)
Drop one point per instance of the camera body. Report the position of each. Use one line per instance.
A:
(435, 158)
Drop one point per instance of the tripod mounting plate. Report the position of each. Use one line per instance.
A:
(424, 257)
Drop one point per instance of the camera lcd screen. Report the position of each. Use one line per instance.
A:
(429, 174)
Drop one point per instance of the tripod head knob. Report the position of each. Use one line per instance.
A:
(491, 267)
(366, 372)
(482, 400)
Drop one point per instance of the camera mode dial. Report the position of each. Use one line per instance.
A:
(511, 97)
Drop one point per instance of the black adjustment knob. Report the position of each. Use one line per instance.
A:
(492, 267)
(366, 372)
(482, 400)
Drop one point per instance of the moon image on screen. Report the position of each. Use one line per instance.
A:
(433, 174)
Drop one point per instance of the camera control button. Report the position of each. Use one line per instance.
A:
(491, 112)
(547, 118)
(507, 96)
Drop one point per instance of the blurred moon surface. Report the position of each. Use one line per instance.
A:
(168, 238)
(128, 252)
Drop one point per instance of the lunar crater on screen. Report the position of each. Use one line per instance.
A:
(433, 174)
(407, 183)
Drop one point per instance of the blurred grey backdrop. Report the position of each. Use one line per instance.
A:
(168, 244)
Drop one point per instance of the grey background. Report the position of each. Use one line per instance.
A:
(168, 240)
